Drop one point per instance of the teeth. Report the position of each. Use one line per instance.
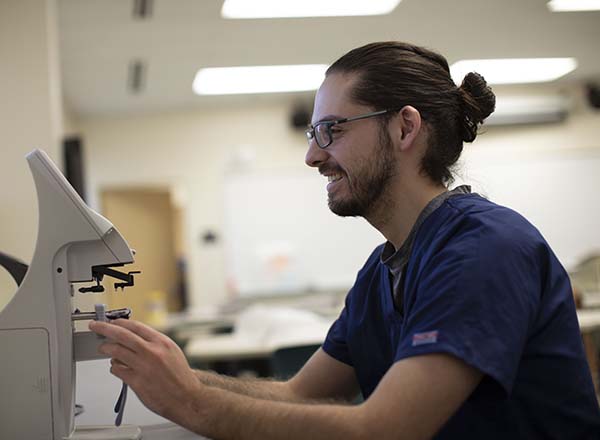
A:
(334, 177)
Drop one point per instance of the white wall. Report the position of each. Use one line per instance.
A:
(197, 151)
(30, 116)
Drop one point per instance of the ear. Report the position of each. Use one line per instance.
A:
(405, 127)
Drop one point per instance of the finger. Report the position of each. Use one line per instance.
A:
(123, 373)
(114, 361)
(140, 329)
(120, 354)
(118, 334)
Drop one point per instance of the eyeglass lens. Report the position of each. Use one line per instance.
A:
(323, 135)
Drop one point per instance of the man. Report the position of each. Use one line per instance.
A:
(461, 326)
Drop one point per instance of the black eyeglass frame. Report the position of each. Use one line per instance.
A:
(310, 131)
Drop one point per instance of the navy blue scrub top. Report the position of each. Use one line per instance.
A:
(483, 285)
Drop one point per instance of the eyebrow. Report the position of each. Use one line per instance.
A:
(327, 118)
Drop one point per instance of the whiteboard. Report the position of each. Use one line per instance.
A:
(281, 237)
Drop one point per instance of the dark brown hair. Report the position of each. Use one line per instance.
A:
(394, 74)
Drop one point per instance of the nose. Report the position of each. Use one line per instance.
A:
(315, 155)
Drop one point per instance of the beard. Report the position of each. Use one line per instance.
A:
(369, 182)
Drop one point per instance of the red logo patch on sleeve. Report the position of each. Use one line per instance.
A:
(425, 338)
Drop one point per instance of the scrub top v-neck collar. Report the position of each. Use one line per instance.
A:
(396, 260)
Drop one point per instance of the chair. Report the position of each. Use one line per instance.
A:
(286, 362)
(16, 268)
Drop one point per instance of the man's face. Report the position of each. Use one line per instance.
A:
(360, 162)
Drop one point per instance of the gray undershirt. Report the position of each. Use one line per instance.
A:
(396, 260)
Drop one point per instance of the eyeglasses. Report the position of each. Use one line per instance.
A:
(321, 131)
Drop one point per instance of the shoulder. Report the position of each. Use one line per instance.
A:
(473, 243)
(473, 223)
(475, 240)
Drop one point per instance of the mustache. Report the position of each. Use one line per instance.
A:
(323, 169)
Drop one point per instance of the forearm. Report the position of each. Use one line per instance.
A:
(222, 414)
(267, 389)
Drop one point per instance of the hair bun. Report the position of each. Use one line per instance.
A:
(478, 103)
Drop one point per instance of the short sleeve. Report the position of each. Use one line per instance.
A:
(336, 344)
(475, 297)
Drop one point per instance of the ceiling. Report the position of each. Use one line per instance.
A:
(99, 39)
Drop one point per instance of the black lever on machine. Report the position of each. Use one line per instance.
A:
(98, 273)
(98, 288)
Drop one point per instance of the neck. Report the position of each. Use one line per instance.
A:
(398, 209)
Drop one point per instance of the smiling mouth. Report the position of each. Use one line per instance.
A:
(334, 177)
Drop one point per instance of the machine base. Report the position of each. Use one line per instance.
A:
(106, 432)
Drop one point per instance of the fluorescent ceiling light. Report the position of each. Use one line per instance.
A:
(305, 8)
(528, 110)
(573, 5)
(258, 79)
(515, 70)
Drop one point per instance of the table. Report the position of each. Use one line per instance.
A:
(589, 319)
(589, 322)
(239, 346)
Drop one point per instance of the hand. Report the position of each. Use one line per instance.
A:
(151, 364)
